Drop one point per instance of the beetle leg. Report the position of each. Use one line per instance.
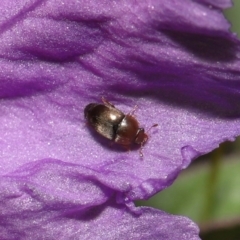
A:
(141, 151)
(107, 103)
(145, 140)
(133, 110)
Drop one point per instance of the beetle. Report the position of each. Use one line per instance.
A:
(113, 124)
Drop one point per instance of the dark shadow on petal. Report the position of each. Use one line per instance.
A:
(14, 90)
(213, 90)
(86, 214)
(209, 48)
(200, 99)
(95, 212)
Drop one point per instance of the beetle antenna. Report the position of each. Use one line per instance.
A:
(141, 146)
(154, 125)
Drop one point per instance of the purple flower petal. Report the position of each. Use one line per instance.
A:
(69, 204)
(175, 60)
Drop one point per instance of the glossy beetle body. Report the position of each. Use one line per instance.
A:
(113, 124)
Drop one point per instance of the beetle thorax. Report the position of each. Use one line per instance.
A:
(127, 130)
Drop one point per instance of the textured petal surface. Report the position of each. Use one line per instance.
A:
(175, 60)
(79, 208)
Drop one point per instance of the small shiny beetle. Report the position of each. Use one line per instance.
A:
(115, 125)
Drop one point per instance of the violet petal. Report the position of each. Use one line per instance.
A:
(176, 61)
(69, 205)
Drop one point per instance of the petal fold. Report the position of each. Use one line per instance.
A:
(52, 199)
